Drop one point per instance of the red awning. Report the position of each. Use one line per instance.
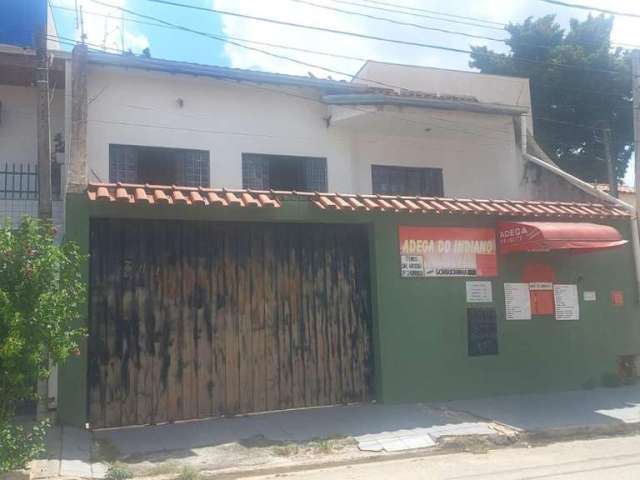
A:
(547, 236)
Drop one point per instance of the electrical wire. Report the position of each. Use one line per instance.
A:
(415, 9)
(503, 26)
(353, 34)
(594, 9)
(303, 97)
(490, 131)
(398, 22)
(284, 57)
(231, 37)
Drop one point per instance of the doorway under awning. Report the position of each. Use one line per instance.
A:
(548, 236)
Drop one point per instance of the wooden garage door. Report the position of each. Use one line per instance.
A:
(199, 319)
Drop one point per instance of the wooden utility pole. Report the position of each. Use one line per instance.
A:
(636, 119)
(45, 208)
(43, 135)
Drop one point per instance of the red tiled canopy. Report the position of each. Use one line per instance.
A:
(512, 208)
(175, 195)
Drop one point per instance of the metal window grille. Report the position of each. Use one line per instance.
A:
(19, 192)
(315, 173)
(255, 172)
(309, 173)
(392, 180)
(192, 168)
(20, 182)
(123, 164)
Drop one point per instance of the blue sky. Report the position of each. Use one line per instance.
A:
(104, 28)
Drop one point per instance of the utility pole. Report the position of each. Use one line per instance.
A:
(43, 135)
(611, 168)
(43, 132)
(635, 82)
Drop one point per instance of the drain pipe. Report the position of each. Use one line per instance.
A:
(590, 189)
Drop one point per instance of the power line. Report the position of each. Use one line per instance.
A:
(300, 62)
(503, 26)
(546, 119)
(354, 108)
(415, 9)
(419, 15)
(595, 9)
(398, 22)
(356, 34)
(231, 37)
(284, 57)
(314, 100)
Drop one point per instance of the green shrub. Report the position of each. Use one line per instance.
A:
(189, 473)
(41, 293)
(19, 444)
(118, 471)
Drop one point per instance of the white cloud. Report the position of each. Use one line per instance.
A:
(287, 10)
(496, 10)
(106, 32)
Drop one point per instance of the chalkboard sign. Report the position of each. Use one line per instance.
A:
(483, 331)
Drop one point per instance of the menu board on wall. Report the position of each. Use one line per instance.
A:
(566, 300)
(517, 301)
(447, 252)
(479, 291)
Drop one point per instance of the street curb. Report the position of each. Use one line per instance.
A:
(15, 475)
(448, 445)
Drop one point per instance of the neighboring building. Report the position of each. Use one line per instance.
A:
(225, 278)
(625, 193)
(18, 107)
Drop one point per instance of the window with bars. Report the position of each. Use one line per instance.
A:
(284, 172)
(159, 166)
(413, 181)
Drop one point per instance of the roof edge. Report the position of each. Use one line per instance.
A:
(441, 104)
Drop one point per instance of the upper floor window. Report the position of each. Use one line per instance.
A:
(284, 172)
(419, 182)
(159, 166)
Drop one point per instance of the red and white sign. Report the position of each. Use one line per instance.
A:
(448, 252)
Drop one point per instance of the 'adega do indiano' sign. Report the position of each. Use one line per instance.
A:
(447, 252)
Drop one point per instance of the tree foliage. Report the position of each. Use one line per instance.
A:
(41, 291)
(579, 87)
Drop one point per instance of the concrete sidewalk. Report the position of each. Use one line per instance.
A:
(282, 439)
(553, 411)
(374, 427)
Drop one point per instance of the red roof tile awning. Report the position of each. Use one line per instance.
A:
(124, 193)
(174, 195)
(548, 236)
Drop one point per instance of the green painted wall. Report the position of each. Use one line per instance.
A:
(420, 326)
(423, 326)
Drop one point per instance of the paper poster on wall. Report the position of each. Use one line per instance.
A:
(517, 301)
(566, 300)
(447, 252)
(589, 296)
(479, 292)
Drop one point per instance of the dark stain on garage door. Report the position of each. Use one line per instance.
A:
(199, 319)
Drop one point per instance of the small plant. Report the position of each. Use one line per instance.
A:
(323, 446)
(118, 471)
(104, 451)
(286, 450)
(188, 473)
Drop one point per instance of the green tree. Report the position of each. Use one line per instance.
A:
(579, 87)
(41, 291)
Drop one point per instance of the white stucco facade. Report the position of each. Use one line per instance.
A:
(477, 151)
